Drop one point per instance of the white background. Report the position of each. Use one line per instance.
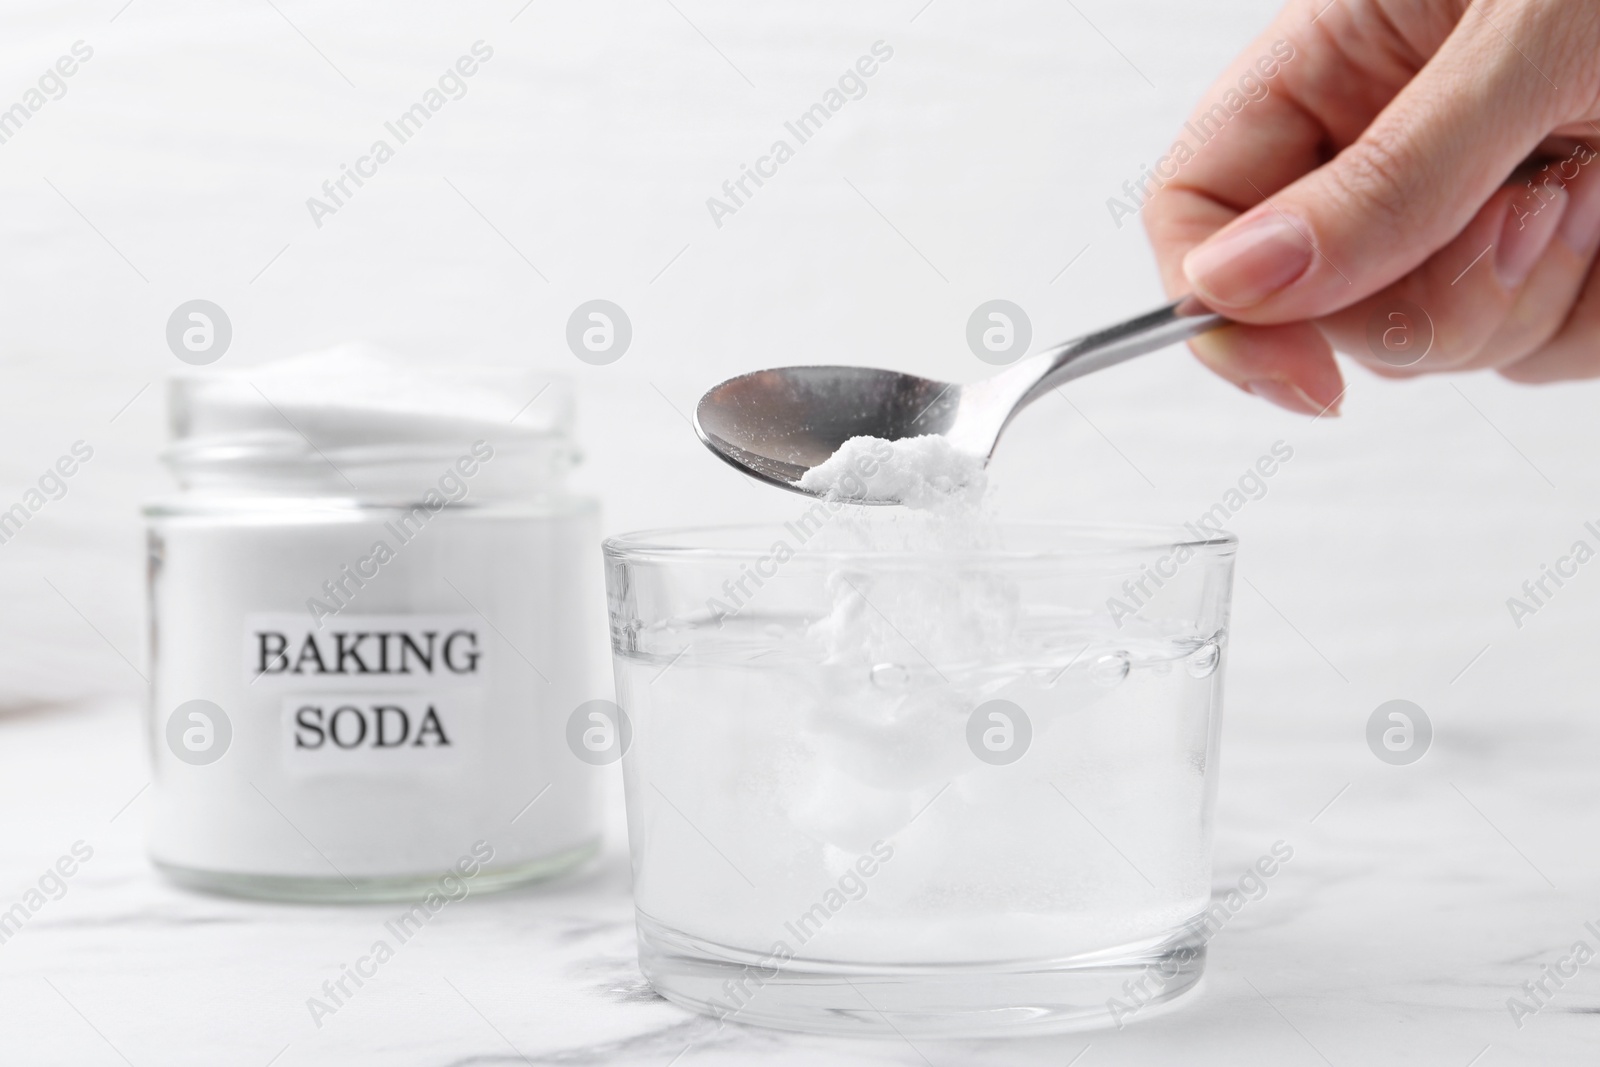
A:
(977, 166)
(591, 141)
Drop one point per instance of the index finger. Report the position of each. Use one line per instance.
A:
(1248, 138)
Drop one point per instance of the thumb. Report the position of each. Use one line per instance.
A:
(1407, 186)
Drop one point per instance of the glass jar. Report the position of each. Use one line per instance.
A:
(369, 621)
(949, 793)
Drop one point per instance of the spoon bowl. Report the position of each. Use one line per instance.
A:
(778, 424)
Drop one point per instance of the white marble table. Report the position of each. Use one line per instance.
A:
(1416, 903)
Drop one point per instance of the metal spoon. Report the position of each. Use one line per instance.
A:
(778, 424)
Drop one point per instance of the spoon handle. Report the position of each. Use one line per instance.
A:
(1150, 332)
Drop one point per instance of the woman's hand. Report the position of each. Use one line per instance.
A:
(1416, 187)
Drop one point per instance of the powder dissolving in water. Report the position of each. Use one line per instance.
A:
(827, 714)
(889, 724)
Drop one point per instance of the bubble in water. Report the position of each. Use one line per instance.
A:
(1204, 659)
(891, 677)
(1110, 670)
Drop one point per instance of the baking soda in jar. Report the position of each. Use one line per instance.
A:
(371, 615)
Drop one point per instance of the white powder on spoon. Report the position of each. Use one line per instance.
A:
(919, 472)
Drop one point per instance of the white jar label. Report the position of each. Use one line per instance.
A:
(371, 693)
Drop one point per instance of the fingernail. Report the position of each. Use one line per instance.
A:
(1580, 226)
(1291, 397)
(1526, 233)
(1244, 265)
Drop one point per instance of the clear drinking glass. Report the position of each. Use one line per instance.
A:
(940, 792)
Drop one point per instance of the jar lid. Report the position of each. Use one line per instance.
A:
(359, 416)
